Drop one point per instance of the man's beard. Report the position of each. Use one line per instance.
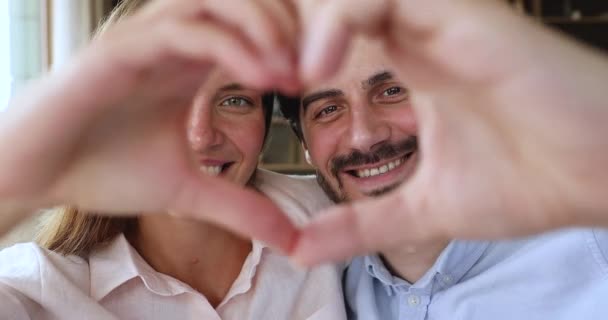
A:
(356, 158)
(334, 195)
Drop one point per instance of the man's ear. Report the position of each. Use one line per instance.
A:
(307, 154)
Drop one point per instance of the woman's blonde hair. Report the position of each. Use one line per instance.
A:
(67, 230)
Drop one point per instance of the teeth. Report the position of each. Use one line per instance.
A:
(365, 173)
(211, 170)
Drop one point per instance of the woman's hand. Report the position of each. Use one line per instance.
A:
(108, 133)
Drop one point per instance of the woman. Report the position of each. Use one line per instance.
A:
(159, 266)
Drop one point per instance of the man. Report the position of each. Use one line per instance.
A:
(359, 132)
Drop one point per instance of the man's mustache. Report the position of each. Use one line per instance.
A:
(382, 152)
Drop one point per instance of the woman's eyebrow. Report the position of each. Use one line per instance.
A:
(232, 87)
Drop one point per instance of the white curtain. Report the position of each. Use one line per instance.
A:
(72, 24)
(71, 27)
(25, 41)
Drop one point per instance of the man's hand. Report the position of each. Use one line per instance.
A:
(109, 133)
(512, 124)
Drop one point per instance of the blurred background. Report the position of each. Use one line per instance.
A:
(38, 35)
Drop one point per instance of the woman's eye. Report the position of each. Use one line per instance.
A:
(326, 111)
(235, 102)
(392, 91)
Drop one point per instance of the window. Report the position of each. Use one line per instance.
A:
(5, 57)
(21, 45)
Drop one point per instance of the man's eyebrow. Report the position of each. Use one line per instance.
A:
(316, 96)
(377, 78)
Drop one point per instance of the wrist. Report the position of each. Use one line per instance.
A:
(12, 213)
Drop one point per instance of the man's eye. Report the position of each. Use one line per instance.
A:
(235, 102)
(392, 91)
(326, 111)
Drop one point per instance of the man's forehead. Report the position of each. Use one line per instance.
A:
(365, 60)
(364, 81)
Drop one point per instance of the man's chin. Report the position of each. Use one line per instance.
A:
(335, 196)
(356, 195)
(382, 191)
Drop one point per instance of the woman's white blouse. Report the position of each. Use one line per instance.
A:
(116, 283)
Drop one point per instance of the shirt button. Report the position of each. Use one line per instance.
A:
(413, 300)
(447, 279)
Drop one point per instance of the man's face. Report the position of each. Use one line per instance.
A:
(359, 128)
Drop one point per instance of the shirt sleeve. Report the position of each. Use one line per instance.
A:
(11, 304)
(19, 282)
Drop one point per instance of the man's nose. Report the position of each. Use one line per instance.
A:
(367, 129)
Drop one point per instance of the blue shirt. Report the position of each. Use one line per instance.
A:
(558, 275)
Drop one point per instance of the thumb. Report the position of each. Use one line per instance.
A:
(240, 210)
(328, 35)
(362, 227)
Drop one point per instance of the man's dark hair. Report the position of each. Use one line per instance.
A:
(290, 108)
(268, 106)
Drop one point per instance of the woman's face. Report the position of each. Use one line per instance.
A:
(226, 129)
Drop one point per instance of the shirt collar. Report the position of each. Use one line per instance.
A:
(119, 262)
(452, 264)
(244, 281)
(377, 269)
(111, 266)
(458, 258)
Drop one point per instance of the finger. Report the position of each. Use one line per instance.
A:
(214, 45)
(243, 211)
(159, 9)
(258, 25)
(254, 25)
(284, 14)
(360, 228)
(268, 23)
(224, 48)
(327, 37)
